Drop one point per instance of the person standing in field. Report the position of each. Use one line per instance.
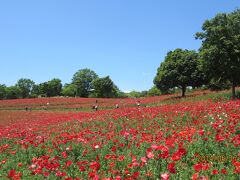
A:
(138, 103)
(96, 107)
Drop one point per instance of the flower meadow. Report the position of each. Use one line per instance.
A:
(181, 140)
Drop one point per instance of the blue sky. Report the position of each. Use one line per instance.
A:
(126, 39)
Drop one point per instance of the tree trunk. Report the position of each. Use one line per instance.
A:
(233, 91)
(183, 90)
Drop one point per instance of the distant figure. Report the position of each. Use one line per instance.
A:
(117, 106)
(96, 107)
(44, 107)
(26, 108)
(138, 103)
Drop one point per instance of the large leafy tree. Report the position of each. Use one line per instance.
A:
(104, 87)
(181, 68)
(41, 89)
(54, 87)
(50, 88)
(220, 48)
(83, 80)
(25, 86)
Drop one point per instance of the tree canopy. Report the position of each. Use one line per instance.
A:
(2, 91)
(25, 86)
(104, 87)
(69, 90)
(181, 68)
(220, 48)
(83, 80)
(50, 88)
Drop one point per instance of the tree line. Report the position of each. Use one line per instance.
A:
(85, 83)
(215, 66)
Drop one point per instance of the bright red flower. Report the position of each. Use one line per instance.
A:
(69, 163)
(121, 158)
(219, 138)
(215, 171)
(64, 154)
(171, 168)
(223, 171)
(198, 167)
(82, 168)
(195, 176)
(60, 174)
(95, 166)
(11, 173)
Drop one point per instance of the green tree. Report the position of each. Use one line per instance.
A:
(35, 91)
(25, 86)
(2, 91)
(104, 87)
(179, 69)
(83, 81)
(69, 90)
(13, 92)
(154, 91)
(48, 89)
(54, 87)
(42, 89)
(220, 48)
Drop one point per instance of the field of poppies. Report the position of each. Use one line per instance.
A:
(197, 137)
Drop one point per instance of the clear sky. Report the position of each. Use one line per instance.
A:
(126, 39)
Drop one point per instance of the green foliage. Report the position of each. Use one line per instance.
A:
(136, 94)
(218, 85)
(69, 90)
(83, 80)
(121, 94)
(13, 92)
(221, 48)
(154, 91)
(48, 89)
(41, 89)
(181, 68)
(223, 96)
(104, 87)
(2, 91)
(25, 86)
(54, 87)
